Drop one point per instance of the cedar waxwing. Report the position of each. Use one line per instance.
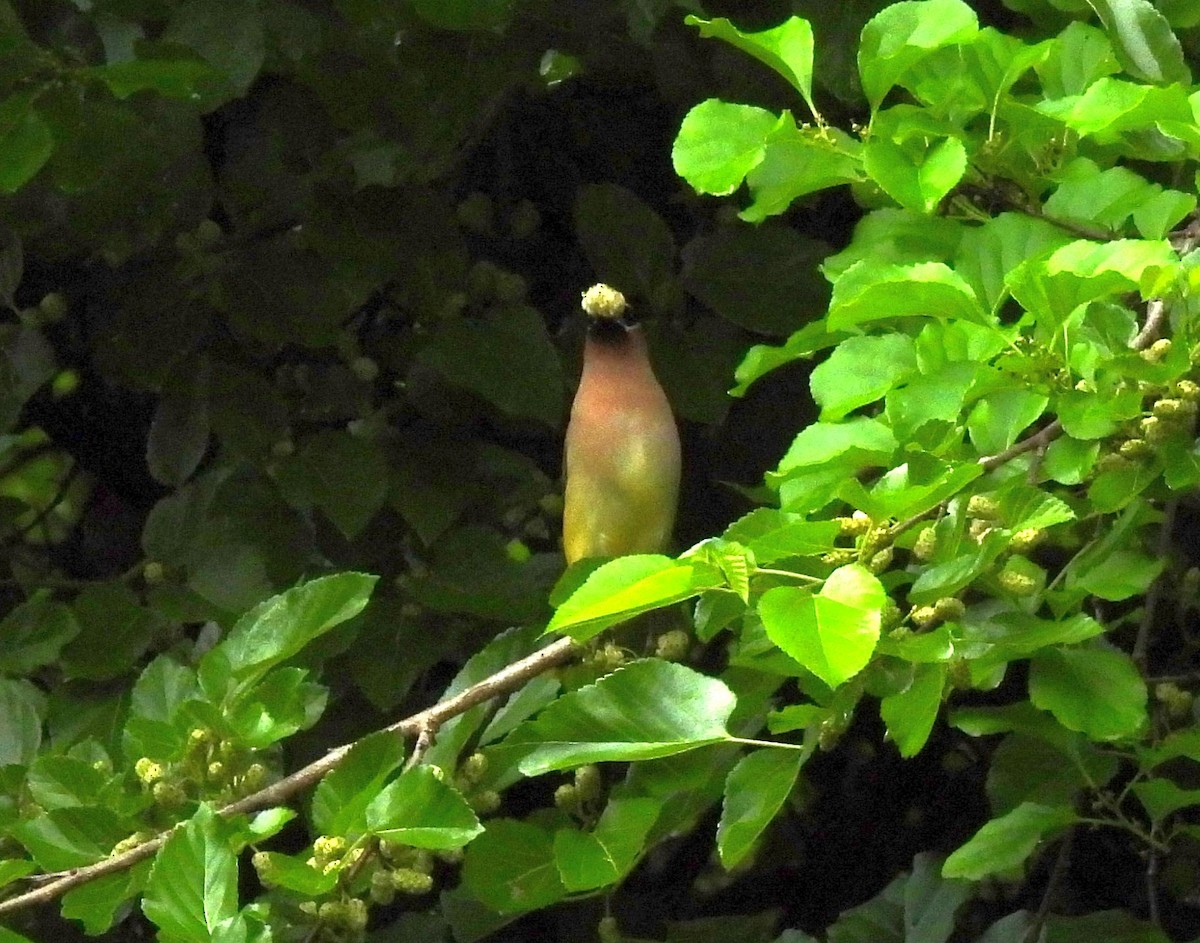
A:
(622, 450)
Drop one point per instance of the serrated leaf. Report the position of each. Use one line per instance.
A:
(420, 810)
(511, 867)
(1161, 797)
(293, 874)
(1120, 574)
(997, 420)
(861, 370)
(910, 714)
(719, 143)
(33, 632)
(645, 710)
(869, 292)
(96, 903)
(281, 626)
(22, 709)
(71, 838)
(589, 860)
(191, 894)
(755, 790)
(622, 588)
(786, 48)
(626, 242)
(26, 143)
(1094, 691)
(1143, 40)
(916, 181)
(902, 35)
(339, 803)
(799, 161)
(1005, 842)
(831, 633)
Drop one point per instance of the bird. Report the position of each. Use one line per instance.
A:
(622, 457)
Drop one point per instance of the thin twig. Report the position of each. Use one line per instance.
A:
(505, 681)
(1156, 319)
(1039, 439)
(1152, 886)
(1052, 882)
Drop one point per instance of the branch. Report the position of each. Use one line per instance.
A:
(505, 681)
(1156, 319)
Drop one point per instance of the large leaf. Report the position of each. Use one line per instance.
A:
(786, 48)
(868, 291)
(719, 143)
(1143, 39)
(283, 625)
(419, 809)
(26, 142)
(903, 34)
(647, 709)
(754, 793)
(861, 370)
(831, 633)
(191, 894)
(511, 867)
(622, 588)
(71, 837)
(1094, 691)
(1005, 843)
(604, 855)
(340, 801)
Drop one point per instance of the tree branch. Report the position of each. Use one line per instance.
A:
(505, 681)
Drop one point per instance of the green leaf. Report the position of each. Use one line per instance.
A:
(589, 860)
(179, 429)
(420, 810)
(13, 869)
(903, 34)
(511, 867)
(799, 161)
(868, 292)
(482, 355)
(1094, 691)
(627, 243)
(1111, 926)
(773, 535)
(931, 901)
(114, 631)
(917, 181)
(1111, 107)
(997, 420)
(1120, 574)
(297, 875)
(645, 710)
(71, 838)
(719, 143)
(1079, 55)
(97, 903)
(281, 626)
(191, 894)
(340, 801)
(987, 253)
(1143, 40)
(761, 278)
(1005, 842)
(1069, 461)
(861, 370)
(622, 588)
(228, 34)
(1161, 797)
(831, 633)
(343, 475)
(1026, 768)
(22, 708)
(33, 632)
(282, 703)
(755, 790)
(187, 79)
(910, 714)
(60, 782)
(26, 142)
(786, 48)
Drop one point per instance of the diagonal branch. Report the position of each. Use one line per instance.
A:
(505, 681)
